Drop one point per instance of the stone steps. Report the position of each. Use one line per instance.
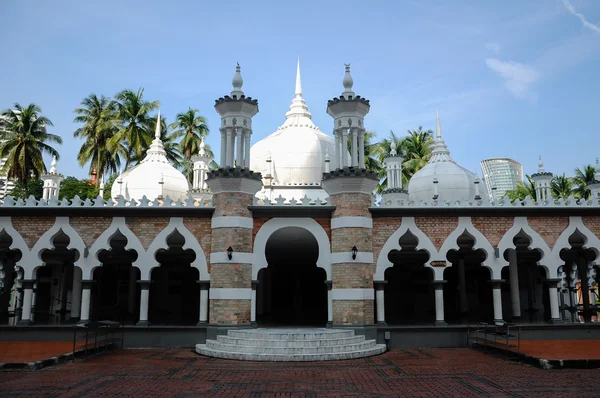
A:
(307, 344)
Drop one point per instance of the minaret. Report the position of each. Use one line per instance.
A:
(394, 191)
(236, 111)
(348, 113)
(542, 180)
(52, 181)
(202, 161)
(594, 186)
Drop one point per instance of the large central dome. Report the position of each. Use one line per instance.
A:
(292, 159)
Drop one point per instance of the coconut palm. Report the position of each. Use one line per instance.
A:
(24, 135)
(523, 190)
(583, 177)
(192, 128)
(136, 125)
(98, 115)
(561, 187)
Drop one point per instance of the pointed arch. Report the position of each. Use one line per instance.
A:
(259, 259)
(576, 224)
(393, 242)
(118, 225)
(18, 243)
(160, 242)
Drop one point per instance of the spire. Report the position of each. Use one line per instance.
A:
(298, 80)
(156, 152)
(597, 176)
(53, 165)
(540, 164)
(237, 82)
(438, 129)
(440, 152)
(348, 82)
(157, 131)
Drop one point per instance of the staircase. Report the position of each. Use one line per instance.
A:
(306, 344)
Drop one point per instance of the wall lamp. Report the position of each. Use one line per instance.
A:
(354, 252)
(230, 252)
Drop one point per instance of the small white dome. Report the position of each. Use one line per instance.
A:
(454, 182)
(145, 179)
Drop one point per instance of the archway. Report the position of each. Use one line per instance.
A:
(174, 292)
(8, 275)
(409, 292)
(291, 289)
(115, 295)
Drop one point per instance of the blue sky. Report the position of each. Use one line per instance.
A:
(510, 78)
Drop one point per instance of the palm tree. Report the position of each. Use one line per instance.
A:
(582, 178)
(24, 137)
(98, 115)
(523, 190)
(192, 127)
(136, 125)
(561, 186)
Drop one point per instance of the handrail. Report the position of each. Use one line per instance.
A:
(102, 333)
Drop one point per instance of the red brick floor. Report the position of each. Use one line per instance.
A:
(561, 349)
(413, 373)
(31, 351)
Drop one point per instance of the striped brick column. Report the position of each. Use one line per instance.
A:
(352, 291)
(230, 290)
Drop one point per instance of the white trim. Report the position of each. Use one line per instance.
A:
(346, 257)
(351, 222)
(353, 294)
(232, 222)
(264, 233)
(226, 293)
(236, 258)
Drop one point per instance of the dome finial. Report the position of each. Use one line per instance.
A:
(348, 82)
(237, 82)
(53, 165)
(540, 164)
(157, 131)
(298, 80)
(438, 129)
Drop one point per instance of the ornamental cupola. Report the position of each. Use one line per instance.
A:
(542, 181)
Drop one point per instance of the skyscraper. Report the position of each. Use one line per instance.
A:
(503, 174)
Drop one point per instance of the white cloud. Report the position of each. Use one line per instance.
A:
(581, 17)
(518, 77)
(493, 47)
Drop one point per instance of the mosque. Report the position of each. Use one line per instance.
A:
(286, 241)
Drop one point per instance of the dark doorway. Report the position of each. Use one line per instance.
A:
(292, 290)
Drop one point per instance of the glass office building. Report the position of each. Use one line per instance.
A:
(501, 173)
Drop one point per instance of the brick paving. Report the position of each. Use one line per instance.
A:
(413, 372)
(31, 351)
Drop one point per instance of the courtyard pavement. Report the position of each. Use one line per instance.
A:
(413, 372)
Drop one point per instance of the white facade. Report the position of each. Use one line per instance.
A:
(504, 174)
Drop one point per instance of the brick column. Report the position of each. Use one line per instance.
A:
(230, 291)
(350, 190)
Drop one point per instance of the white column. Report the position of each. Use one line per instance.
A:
(361, 149)
(380, 300)
(27, 301)
(86, 295)
(514, 283)
(462, 287)
(239, 161)
(247, 134)
(223, 159)
(202, 177)
(553, 297)
(390, 181)
(76, 295)
(203, 319)
(144, 296)
(329, 303)
(337, 149)
(497, 296)
(398, 179)
(439, 303)
(253, 303)
(354, 133)
(344, 148)
(229, 161)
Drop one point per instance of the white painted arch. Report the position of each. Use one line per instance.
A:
(18, 243)
(393, 243)
(259, 259)
(160, 242)
(591, 241)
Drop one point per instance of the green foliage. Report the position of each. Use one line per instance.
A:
(523, 190)
(71, 187)
(192, 129)
(561, 187)
(108, 186)
(583, 177)
(35, 187)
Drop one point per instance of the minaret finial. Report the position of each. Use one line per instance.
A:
(348, 82)
(298, 80)
(53, 165)
(540, 164)
(438, 130)
(237, 82)
(157, 131)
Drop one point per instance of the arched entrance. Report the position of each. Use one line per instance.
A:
(291, 289)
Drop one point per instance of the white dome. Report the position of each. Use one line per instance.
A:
(454, 181)
(145, 179)
(297, 153)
